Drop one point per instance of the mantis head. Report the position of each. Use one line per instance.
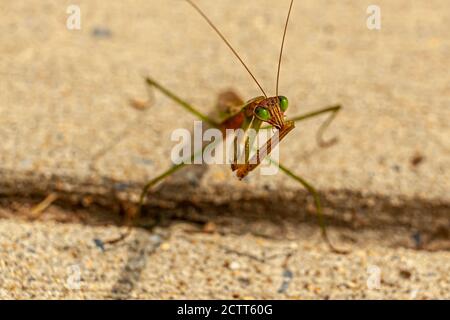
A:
(271, 110)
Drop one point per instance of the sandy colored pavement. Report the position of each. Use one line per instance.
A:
(67, 126)
(56, 260)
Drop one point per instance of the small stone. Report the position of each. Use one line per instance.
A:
(139, 104)
(417, 159)
(405, 274)
(209, 227)
(234, 265)
(87, 201)
(155, 238)
(165, 246)
(101, 32)
(244, 281)
(99, 244)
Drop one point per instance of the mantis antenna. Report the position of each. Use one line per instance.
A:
(226, 42)
(282, 45)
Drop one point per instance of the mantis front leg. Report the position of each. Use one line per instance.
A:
(244, 169)
(319, 136)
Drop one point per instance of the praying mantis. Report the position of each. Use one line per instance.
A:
(259, 113)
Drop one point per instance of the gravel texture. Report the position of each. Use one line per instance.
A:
(50, 260)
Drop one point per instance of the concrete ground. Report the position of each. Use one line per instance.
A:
(68, 127)
(49, 259)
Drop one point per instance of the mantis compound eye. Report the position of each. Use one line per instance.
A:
(284, 103)
(262, 113)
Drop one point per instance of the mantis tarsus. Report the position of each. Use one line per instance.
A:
(253, 114)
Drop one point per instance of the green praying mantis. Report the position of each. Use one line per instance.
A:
(259, 113)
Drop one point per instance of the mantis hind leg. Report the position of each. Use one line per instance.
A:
(317, 203)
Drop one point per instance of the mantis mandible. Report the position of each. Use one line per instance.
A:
(259, 113)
